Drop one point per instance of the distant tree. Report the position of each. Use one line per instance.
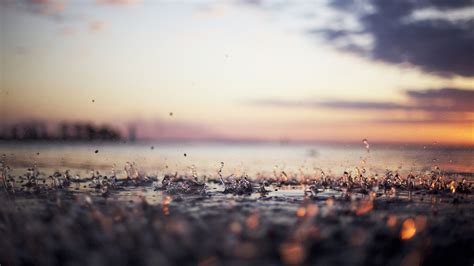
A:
(15, 132)
(64, 131)
(91, 132)
(79, 132)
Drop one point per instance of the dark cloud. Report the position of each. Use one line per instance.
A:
(433, 120)
(430, 100)
(390, 32)
(363, 105)
(451, 93)
(446, 98)
(440, 46)
(433, 100)
(400, 7)
(336, 104)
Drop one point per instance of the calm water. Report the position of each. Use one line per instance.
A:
(156, 158)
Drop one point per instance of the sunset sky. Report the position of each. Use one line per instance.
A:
(243, 70)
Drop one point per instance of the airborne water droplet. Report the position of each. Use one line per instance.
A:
(367, 145)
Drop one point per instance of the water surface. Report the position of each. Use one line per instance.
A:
(251, 159)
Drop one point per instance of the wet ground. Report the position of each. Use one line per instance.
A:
(190, 220)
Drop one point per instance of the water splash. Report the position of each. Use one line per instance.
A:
(4, 170)
(220, 173)
(359, 180)
(131, 170)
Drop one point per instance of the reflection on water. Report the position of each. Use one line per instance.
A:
(251, 159)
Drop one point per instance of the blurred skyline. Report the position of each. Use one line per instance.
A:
(329, 71)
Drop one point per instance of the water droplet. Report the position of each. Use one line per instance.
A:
(220, 170)
(367, 145)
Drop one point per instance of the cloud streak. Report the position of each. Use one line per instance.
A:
(433, 100)
(445, 105)
(438, 120)
(446, 98)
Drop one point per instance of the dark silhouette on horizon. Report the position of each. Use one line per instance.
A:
(64, 131)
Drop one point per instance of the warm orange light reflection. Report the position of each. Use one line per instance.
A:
(252, 221)
(408, 229)
(292, 253)
(312, 210)
(301, 212)
(391, 220)
(364, 207)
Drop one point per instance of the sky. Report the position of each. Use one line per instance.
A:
(324, 71)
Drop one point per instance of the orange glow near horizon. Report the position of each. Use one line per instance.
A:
(400, 133)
